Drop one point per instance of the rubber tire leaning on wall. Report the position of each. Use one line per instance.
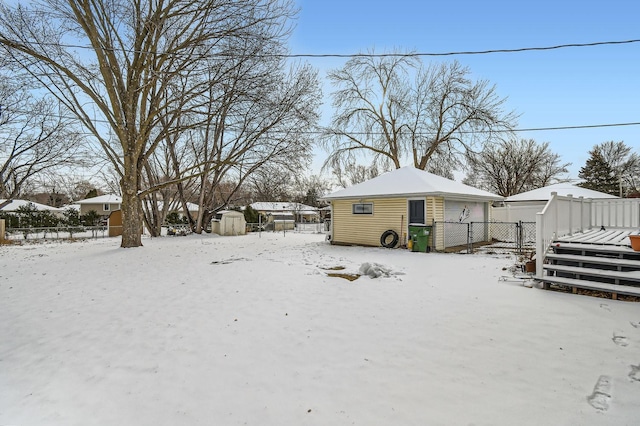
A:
(385, 237)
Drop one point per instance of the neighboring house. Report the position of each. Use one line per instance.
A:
(229, 223)
(361, 214)
(177, 207)
(301, 212)
(14, 205)
(524, 206)
(325, 212)
(103, 205)
(281, 222)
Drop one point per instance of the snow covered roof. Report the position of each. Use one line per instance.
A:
(102, 199)
(192, 207)
(14, 205)
(230, 212)
(275, 206)
(409, 181)
(544, 194)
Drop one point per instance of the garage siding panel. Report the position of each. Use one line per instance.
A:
(366, 229)
(435, 213)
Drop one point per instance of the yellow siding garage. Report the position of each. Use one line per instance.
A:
(366, 229)
(435, 212)
(363, 212)
(387, 213)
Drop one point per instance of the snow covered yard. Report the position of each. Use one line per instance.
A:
(207, 330)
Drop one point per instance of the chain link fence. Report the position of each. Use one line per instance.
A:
(56, 233)
(468, 237)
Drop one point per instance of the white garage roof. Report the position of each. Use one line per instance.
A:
(409, 181)
(544, 194)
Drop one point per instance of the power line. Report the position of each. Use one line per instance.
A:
(468, 52)
(312, 132)
(586, 126)
(375, 55)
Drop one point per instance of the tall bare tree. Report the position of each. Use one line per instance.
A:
(513, 166)
(129, 83)
(36, 140)
(393, 109)
(261, 120)
(348, 173)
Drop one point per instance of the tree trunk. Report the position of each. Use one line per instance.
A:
(201, 201)
(131, 207)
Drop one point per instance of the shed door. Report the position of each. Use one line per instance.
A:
(416, 211)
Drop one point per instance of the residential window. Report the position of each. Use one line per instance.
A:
(362, 208)
(106, 207)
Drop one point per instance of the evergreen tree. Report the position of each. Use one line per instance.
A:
(71, 217)
(598, 175)
(92, 193)
(251, 215)
(90, 218)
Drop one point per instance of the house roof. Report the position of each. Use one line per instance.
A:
(14, 205)
(230, 212)
(176, 206)
(102, 199)
(544, 194)
(275, 206)
(409, 181)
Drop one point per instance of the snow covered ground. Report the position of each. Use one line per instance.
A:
(250, 330)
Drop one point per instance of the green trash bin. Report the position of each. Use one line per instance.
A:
(420, 236)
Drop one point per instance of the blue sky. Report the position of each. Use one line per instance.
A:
(564, 87)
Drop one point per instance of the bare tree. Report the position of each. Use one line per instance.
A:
(309, 189)
(141, 71)
(347, 172)
(259, 119)
(36, 140)
(271, 184)
(75, 187)
(392, 108)
(514, 166)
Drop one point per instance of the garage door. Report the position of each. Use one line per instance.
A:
(458, 214)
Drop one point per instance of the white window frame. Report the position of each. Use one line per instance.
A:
(106, 207)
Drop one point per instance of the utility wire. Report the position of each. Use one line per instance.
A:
(316, 132)
(468, 52)
(373, 55)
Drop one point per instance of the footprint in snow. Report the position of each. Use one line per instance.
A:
(634, 374)
(605, 307)
(601, 395)
(635, 324)
(620, 339)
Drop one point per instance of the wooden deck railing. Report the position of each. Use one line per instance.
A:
(565, 215)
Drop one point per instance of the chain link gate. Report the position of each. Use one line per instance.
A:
(460, 236)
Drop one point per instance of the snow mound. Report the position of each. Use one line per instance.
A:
(374, 270)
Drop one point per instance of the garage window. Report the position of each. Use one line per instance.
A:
(362, 208)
